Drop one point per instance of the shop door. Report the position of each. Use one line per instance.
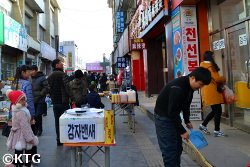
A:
(238, 73)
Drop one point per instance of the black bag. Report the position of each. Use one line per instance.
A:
(220, 88)
(6, 130)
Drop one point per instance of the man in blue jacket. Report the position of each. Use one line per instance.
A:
(175, 98)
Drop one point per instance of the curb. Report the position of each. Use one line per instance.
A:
(192, 152)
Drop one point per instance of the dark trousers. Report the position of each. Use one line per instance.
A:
(169, 140)
(18, 164)
(58, 111)
(40, 108)
(216, 114)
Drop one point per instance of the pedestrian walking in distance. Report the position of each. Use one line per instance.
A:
(212, 95)
(175, 98)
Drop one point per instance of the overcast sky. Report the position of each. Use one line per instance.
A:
(89, 24)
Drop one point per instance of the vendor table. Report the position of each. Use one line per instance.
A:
(79, 149)
(127, 109)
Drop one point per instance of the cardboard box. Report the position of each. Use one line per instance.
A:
(86, 127)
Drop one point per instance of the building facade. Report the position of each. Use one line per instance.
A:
(74, 61)
(168, 38)
(29, 33)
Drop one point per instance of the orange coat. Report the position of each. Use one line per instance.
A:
(209, 93)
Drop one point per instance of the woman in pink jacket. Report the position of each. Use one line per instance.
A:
(21, 138)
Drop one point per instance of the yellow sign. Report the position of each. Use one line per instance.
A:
(109, 126)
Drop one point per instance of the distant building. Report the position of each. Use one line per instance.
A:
(28, 34)
(70, 50)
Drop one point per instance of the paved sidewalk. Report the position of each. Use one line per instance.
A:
(230, 151)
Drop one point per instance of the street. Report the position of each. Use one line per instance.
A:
(139, 149)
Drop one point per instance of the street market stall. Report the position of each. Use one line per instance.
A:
(4, 112)
(123, 103)
(87, 127)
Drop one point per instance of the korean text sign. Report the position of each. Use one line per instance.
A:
(121, 62)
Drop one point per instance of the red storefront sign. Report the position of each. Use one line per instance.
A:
(189, 39)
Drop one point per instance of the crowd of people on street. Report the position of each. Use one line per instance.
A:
(30, 92)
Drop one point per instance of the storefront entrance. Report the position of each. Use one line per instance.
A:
(238, 51)
(232, 54)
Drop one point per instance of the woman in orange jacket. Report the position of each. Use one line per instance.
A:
(211, 96)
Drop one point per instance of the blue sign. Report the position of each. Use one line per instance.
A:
(119, 22)
(177, 44)
(61, 49)
(121, 62)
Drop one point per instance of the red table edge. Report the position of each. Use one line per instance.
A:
(88, 144)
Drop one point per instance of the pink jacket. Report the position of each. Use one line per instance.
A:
(21, 132)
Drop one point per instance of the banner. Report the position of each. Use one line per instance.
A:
(190, 54)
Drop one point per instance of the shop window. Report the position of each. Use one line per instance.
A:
(227, 12)
(41, 33)
(52, 42)
(27, 24)
(7, 71)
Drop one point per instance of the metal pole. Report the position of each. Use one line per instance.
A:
(107, 156)
(73, 157)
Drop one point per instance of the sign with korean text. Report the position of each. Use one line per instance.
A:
(150, 11)
(243, 40)
(120, 21)
(189, 39)
(190, 52)
(79, 131)
(195, 107)
(177, 45)
(137, 44)
(121, 62)
(219, 44)
(135, 23)
(15, 34)
(109, 126)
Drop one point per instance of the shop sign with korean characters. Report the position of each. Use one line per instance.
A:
(243, 40)
(121, 62)
(150, 11)
(190, 53)
(137, 44)
(15, 34)
(219, 44)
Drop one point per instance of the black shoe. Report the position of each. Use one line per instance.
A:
(59, 144)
